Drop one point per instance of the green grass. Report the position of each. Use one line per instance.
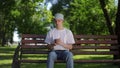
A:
(6, 55)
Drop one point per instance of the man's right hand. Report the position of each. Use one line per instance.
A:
(50, 46)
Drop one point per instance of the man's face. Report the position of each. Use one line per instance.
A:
(58, 21)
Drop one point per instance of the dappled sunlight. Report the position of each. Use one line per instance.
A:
(7, 57)
(93, 57)
(5, 62)
(5, 65)
(35, 57)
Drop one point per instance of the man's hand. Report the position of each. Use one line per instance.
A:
(50, 46)
(59, 42)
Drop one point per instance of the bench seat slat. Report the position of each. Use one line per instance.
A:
(75, 52)
(94, 47)
(77, 42)
(74, 47)
(76, 61)
(96, 53)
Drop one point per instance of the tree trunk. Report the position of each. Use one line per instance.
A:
(117, 22)
(3, 39)
(108, 20)
(117, 28)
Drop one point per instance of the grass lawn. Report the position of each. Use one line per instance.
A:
(6, 55)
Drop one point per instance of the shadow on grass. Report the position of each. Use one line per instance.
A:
(6, 57)
(63, 65)
(6, 53)
(5, 66)
(91, 65)
(9, 51)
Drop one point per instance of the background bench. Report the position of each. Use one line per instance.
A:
(85, 45)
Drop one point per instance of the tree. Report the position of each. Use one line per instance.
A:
(33, 17)
(85, 18)
(117, 29)
(60, 6)
(106, 15)
(28, 16)
(6, 20)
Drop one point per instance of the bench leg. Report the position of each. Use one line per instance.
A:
(16, 65)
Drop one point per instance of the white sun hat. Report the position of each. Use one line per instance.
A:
(59, 16)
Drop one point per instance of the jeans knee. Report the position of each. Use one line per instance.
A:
(52, 55)
(69, 55)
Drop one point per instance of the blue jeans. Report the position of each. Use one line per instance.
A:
(60, 55)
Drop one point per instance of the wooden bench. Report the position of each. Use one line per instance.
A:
(85, 45)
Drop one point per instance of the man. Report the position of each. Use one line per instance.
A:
(62, 39)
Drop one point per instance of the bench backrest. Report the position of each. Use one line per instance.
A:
(96, 44)
(85, 44)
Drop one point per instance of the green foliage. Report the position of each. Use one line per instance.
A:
(112, 8)
(61, 6)
(28, 16)
(85, 16)
(7, 23)
(33, 17)
(66, 24)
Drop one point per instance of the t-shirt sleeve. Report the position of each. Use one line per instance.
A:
(70, 38)
(48, 38)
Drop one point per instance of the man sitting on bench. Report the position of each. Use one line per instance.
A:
(62, 39)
